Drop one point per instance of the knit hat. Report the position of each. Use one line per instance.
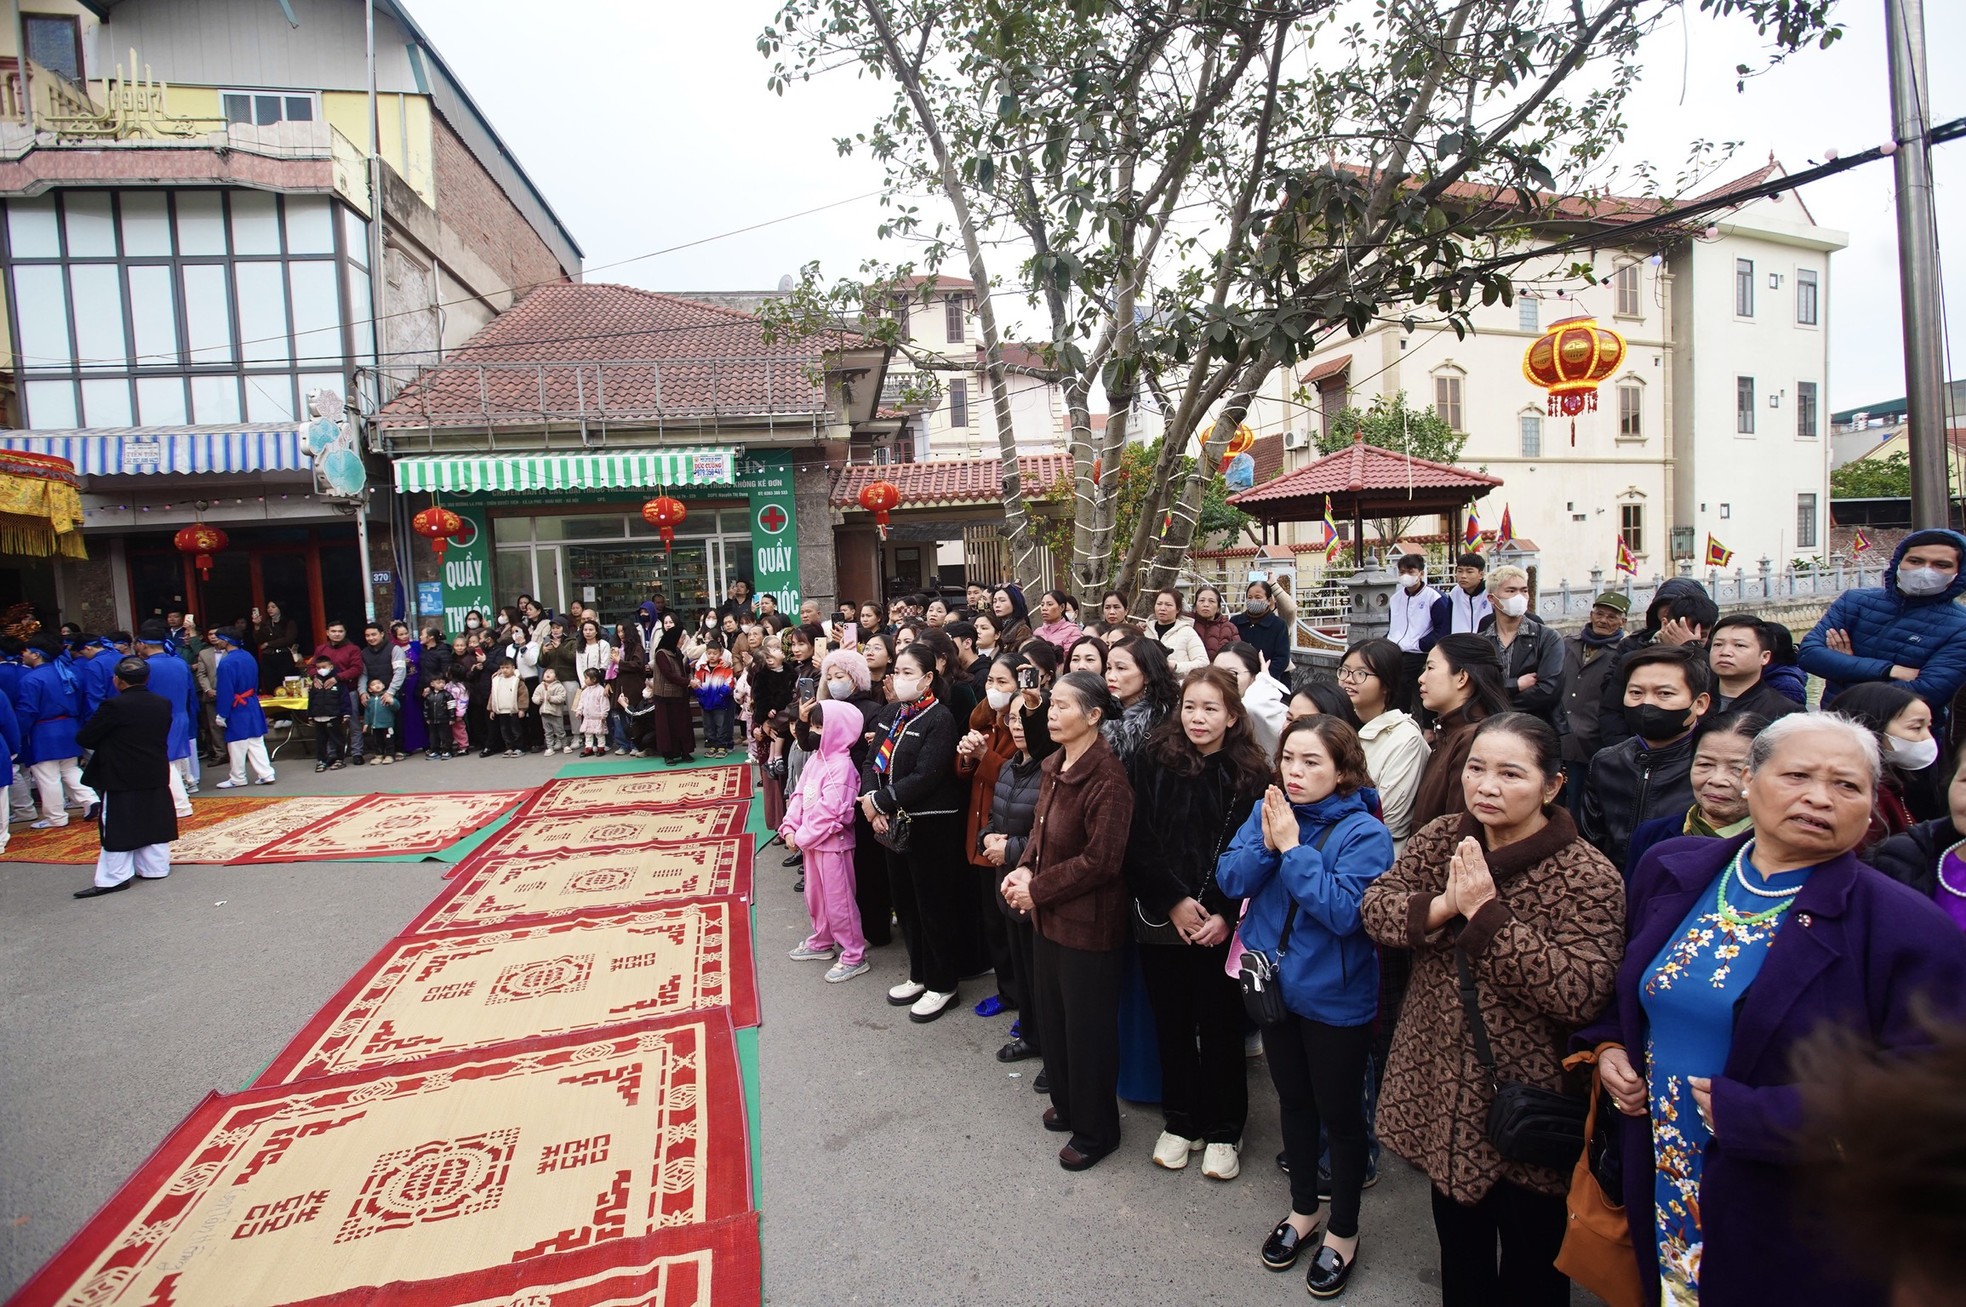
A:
(853, 664)
(1613, 599)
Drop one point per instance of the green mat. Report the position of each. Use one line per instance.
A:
(613, 766)
(747, 1062)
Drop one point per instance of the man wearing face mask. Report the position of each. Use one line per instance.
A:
(1908, 630)
(1531, 653)
(1412, 617)
(1651, 774)
(1465, 605)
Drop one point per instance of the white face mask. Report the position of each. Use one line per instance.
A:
(1912, 755)
(1514, 605)
(906, 688)
(474, 624)
(839, 689)
(1412, 580)
(1921, 581)
(999, 699)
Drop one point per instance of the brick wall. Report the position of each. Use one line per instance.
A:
(477, 210)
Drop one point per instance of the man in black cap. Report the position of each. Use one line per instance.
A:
(131, 771)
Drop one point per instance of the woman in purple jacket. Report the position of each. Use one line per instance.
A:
(1739, 950)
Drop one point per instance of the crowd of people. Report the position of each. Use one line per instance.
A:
(1484, 874)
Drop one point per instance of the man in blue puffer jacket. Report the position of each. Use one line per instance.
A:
(1908, 630)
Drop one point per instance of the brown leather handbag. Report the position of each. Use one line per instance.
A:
(1597, 1241)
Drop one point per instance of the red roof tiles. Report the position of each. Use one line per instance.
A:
(1267, 455)
(1331, 367)
(1363, 468)
(950, 480)
(615, 353)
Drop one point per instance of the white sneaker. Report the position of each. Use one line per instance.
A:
(905, 993)
(932, 1004)
(268, 781)
(807, 953)
(231, 785)
(45, 824)
(1171, 1150)
(841, 971)
(1221, 1161)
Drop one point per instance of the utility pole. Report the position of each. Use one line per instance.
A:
(1918, 264)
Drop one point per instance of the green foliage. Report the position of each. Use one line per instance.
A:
(1873, 478)
(1130, 487)
(1393, 424)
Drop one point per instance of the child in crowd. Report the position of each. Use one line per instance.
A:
(379, 723)
(592, 710)
(460, 728)
(551, 697)
(819, 823)
(507, 712)
(714, 684)
(437, 717)
(324, 712)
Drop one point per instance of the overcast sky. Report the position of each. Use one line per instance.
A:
(648, 126)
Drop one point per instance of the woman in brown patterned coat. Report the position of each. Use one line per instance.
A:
(1540, 915)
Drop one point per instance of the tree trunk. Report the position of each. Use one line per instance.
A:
(1165, 569)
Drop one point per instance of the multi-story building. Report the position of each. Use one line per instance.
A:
(197, 198)
(1713, 424)
(940, 396)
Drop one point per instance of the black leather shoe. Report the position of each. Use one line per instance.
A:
(1042, 1084)
(1283, 1165)
(95, 810)
(1281, 1249)
(1016, 1051)
(1329, 1272)
(96, 891)
(1052, 1121)
(1076, 1159)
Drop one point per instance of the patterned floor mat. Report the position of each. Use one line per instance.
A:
(646, 790)
(427, 995)
(77, 843)
(506, 889)
(237, 839)
(456, 1166)
(580, 832)
(389, 825)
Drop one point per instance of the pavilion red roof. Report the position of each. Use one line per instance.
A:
(1360, 468)
(950, 480)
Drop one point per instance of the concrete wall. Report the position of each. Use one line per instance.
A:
(812, 484)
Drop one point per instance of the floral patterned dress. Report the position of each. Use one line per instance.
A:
(1689, 993)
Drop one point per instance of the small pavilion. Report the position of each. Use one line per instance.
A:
(1364, 481)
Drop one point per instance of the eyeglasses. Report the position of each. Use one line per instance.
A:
(1355, 675)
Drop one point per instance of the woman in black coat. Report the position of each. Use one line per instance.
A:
(1194, 786)
(912, 769)
(1928, 857)
(1260, 625)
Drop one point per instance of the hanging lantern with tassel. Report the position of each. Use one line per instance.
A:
(438, 525)
(202, 541)
(880, 499)
(1570, 360)
(665, 514)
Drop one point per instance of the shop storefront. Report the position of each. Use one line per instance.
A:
(567, 527)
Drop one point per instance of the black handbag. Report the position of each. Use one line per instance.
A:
(1148, 931)
(1526, 1123)
(1261, 979)
(900, 829)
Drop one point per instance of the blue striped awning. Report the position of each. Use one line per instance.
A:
(152, 451)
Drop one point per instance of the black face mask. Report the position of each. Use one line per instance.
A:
(1652, 722)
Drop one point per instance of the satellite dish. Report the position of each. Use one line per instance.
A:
(785, 284)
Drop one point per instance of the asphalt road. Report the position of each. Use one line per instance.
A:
(902, 1164)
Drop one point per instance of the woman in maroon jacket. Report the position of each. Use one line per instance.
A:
(1070, 880)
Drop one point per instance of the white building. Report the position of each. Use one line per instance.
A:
(956, 420)
(1714, 423)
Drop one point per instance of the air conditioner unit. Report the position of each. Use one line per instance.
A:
(1296, 440)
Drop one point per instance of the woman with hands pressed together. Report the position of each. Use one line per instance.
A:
(1013, 812)
(1070, 880)
(1303, 858)
(1740, 950)
(980, 754)
(1194, 786)
(1510, 892)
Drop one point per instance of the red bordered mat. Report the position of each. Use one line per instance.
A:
(388, 826)
(581, 832)
(447, 1167)
(661, 789)
(713, 1265)
(426, 995)
(492, 889)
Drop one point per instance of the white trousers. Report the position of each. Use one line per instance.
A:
(152, 861)
(180, 796)
(21, 794)
(53, 778)
(245, 751)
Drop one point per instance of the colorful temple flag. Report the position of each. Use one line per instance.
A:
(1505, 532)
(1471, 533)
(1627, 563)
(1718, 555)
(1862, 544)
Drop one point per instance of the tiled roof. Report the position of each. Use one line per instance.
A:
(1267, 455)
(1611, 210)
(939, 282)
(612, 352)
(1363, 467)
(1331, 367)
(950, 480)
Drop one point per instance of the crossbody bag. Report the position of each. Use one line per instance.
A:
(1261, 979)
(1526, 1123)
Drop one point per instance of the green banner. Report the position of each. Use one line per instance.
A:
(766, 480)
(468, 570)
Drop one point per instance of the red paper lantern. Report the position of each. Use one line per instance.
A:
(439, 525)
(1569, 361)
(202, 541)
(880, 499)
(665, 515)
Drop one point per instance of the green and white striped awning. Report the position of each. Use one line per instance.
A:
(626, 469)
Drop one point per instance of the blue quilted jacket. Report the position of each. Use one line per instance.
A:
(1888, 628)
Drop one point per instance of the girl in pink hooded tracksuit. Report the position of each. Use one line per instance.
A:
(819, 822)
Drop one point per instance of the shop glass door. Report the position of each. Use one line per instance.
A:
(616, 578)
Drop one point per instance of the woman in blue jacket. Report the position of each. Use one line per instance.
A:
(1304, 859)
